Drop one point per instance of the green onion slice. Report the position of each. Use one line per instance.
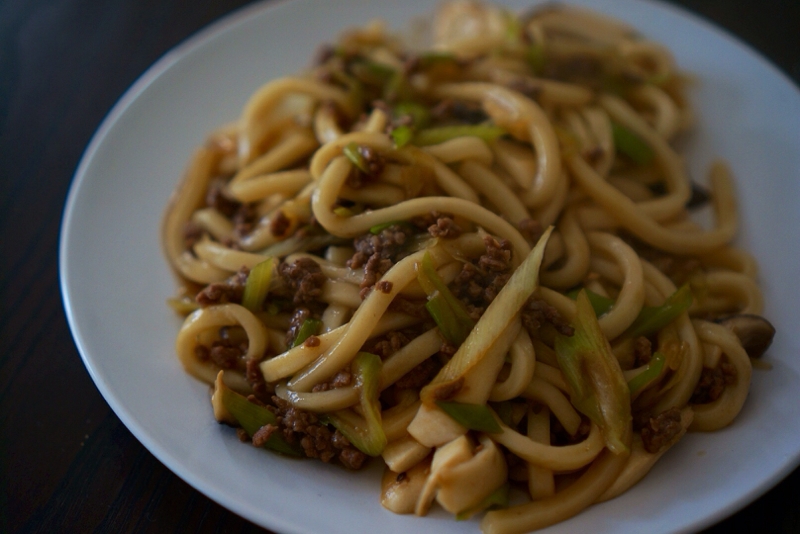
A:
(366, 434)
(630, 144)
(652, 319)
(651, 371)
(449, 313)
(598, 387)
(601, 304)
(473, 416)
(257, 285)
(309, 328)
(252, 417)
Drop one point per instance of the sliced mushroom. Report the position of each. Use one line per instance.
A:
(399, 492)
(463, 474)
(754, 332)
(221, 413)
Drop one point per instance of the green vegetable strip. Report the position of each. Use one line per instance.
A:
(341, 211)
(454, 328)
(650, 373)
(401, 136)
(504, 411)
(535, 57)
(601, 304)
(493, 323)
(372, 72)
(370, 440)
(653, 319)
(598, 387)
(419, 114)
(473, 416)
(429, 59)
(309, 328)
(252, 417)
(257, 285)
(434, 136)
(355, 157)
(631, 144)
(449, 313)
(397, 87)
(496, 499)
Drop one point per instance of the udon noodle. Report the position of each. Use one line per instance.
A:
(475, 261)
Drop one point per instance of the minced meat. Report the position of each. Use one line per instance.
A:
(660, 431)
(231, 290)
(304, 278)
(223, 352)
(713, 381)
(479, 282)
(317, 440)
(642, 351)
(537, 312)
(377, 253)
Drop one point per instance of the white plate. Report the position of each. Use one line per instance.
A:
(114, 278)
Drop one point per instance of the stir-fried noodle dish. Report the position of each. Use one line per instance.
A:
(476, 261)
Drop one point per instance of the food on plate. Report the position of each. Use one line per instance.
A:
(476, 261)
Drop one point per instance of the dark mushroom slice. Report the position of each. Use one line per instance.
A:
(754, 332)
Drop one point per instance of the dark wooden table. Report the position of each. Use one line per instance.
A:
(67, 464)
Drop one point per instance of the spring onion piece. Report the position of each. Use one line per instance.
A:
(420, 118)
(401, 136)
(600, 303)
(449, 313)
(513, 26)
(631, 144)
(419, 114)
(372, 72)
(309, 328)
(454, 326)
(344, 211)
(495, 500)
(535, 57)
(251, 417)
(598, 387)
(653, 318)
(355, 157)
(504, 411)
(651, 371)
(491, 326)
(396, 88)
(257, 285)
(429, 59)
(355, 89)
(472, 416)
(434, 136)
(366, 435)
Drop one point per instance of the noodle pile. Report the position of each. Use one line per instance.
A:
(475, 261)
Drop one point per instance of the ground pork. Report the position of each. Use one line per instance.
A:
(377, 253)
(304, 278)
(225, 353)
(642, 351)
(316, 439)
(479, 282)
(713, 381)
(231, 290)
(537, 312)
(661, 430)
(341, 379)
